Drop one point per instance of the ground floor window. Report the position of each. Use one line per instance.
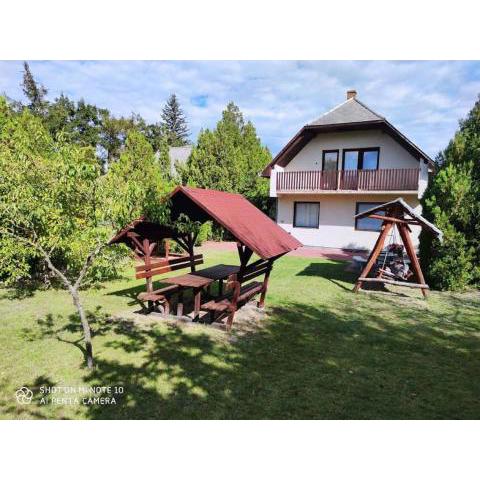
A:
(369, 224)
(306, 214)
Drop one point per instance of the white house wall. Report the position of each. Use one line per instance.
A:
(337, 224)
(392, 154)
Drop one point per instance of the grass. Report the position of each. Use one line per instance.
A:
(322, 353)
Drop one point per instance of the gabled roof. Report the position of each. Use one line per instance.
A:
(406, 209)
(238, 216)
(245, 222)
(349, 115)
(145, 229)
(350, 111)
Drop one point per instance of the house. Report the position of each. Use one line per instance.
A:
(178, 155)
(347, 161)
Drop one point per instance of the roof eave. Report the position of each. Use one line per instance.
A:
(336, 127)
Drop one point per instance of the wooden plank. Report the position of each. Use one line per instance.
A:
(255, 273)
(394, 282)
(166, 269)
(388, 219)
(174, 261)
(160, 293)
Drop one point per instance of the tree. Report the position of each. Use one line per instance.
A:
(60, 115)
(163, 154)
(35, 92)
(135, 184)
(56, 204)
(229, 158)
(175, 122)
(113, 135)
(452, 202)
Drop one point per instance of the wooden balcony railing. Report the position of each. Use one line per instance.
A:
(363, 180)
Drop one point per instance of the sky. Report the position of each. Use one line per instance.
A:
(423, 99)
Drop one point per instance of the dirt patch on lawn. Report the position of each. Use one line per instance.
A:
(248, 319)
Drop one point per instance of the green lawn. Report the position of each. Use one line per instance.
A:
(323, 352)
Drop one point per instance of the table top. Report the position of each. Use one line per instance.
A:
(188, 280)
(218, 272)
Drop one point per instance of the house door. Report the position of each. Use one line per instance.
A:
(351, 164)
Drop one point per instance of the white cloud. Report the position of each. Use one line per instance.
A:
(424, 99)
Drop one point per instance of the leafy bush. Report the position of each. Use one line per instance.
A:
(204, 233)
(452, 202)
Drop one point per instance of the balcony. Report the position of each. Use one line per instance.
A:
(386, 180)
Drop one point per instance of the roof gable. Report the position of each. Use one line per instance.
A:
(407, 209)
(232, 211)
(350, 111)
(237, 215)
(348, 116)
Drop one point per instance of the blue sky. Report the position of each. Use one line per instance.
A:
(424, 100)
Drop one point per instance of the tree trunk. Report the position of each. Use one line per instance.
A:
(73, 289)
(86, 327)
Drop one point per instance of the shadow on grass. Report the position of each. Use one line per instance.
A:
(133, 292)
(356, 358)
(47, 327)
(10, 408)
(333, 271)
(19, 292)
(342, 362)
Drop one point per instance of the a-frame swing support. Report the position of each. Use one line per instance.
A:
(394, 217)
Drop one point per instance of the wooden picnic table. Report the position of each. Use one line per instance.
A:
(218, 272)
(189, 280)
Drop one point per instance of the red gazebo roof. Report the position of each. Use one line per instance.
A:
(238, 216)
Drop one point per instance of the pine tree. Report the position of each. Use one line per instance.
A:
(35, 92)
(175, 122)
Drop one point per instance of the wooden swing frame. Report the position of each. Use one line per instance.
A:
(395, 216)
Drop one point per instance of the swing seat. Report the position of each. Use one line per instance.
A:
(393, 275)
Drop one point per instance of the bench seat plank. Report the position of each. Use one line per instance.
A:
(157, 294)
(222, 303)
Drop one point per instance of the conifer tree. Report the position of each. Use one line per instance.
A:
(175, 122)
(35, 92)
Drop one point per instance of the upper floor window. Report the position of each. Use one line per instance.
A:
(361, 158)
(330, 160)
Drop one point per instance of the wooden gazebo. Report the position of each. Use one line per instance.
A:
(253, 231)
(395, 214)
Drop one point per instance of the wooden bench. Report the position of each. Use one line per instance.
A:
(240, 292)
(150, 268)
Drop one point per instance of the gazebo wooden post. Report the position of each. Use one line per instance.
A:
(143, 252)
(190, 241)
(245, 254)
(261, 302)
(386, 227)
(407, 241)
(147, 260)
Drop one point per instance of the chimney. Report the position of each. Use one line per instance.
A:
(351, 94)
